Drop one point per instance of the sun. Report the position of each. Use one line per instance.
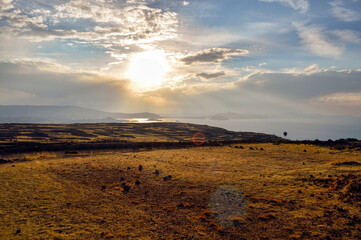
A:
(148, 70)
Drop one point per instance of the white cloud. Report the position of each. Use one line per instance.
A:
(342, 13)
(317, 41)
(300, 5)
(341, 97)
(347, 36)
(185, 3)
(312, 69)
(116, 24)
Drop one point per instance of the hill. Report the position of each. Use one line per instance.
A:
(62, 114)
(51, 137)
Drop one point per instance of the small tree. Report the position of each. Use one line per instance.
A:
(285, 134)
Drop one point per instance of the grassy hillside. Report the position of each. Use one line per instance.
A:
(259, 191)
(51, 137)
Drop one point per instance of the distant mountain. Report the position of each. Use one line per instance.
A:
(63, 114)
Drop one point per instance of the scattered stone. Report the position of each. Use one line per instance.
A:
(137, 182)
(303, 163)
(121, 179)
(261, 149)
(128, 168)
(181, 205)
(241, 147)
(156, 172)
(126, 188)
(104, 187)
(299, 191)
(140, 168)
(304, 150)
(17, 232)
(169, 177)
(251, 148)
(312, 195)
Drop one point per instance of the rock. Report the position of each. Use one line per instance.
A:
(169, 177)
(140, 168)
(156, 172)
(126, 188)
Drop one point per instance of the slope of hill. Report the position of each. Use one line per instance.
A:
(49, 137)
(61, 114)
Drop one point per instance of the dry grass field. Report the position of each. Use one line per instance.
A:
(260, 191)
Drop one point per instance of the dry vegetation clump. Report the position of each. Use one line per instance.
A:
(267, 216)
(39, 156)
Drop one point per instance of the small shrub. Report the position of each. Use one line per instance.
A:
(266, 217)
(238, 221)
(169, 177)
(71, 152)
(126, 188)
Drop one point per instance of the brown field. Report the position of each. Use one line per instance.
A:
(131, 132)
(284, 191)
(20, 138)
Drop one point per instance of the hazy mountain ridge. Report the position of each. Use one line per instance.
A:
(62, 114)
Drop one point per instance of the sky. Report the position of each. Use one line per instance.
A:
(183, 57)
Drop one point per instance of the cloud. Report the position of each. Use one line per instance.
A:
(304, 86)
(129, 24)
(347, 36)
(312, 69)
(317, 41)
(213, 55)
(104, 24)
(353, 98)
(301, 5)
(211, 75)
(342, 13)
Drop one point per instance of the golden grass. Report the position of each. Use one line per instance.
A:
(39, 156)
(82, 196)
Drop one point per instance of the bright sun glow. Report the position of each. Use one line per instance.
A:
(148, 70)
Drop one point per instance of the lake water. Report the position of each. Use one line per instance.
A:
(297, 129)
